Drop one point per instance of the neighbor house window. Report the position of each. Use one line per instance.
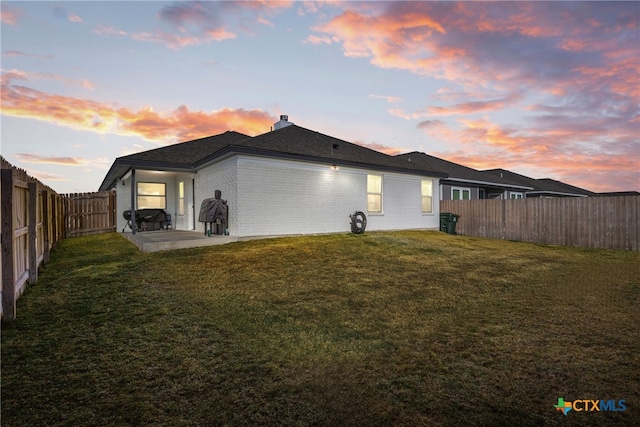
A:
(427, 196)
(152, 195)
(460, 193)
(516, 196)
(374, 193)
(181, 198)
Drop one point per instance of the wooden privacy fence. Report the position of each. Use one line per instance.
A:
(33, 219)
(89, 213)
(591, 222)
(32, 222)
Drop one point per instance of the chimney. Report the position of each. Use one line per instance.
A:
(284, 122)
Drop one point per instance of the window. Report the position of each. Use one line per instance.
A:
(152, 195)
(181, 198)
(374, 193)
(427, 196)
(516, 196)
(460, 193)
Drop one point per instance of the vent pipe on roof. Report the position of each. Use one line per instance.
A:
(284, 122)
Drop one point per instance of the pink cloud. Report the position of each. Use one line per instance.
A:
(164, 127)
(47, 176)
(9, 15)
(566, 152)
(392, 151)
(389, 98)
(478, 44)
(101, 163)
(74, 18)
(196, 23)
(175, 41)
(567, 73)
(66, 161)
(109, 31)
(475, 106)
(17, 53)
(9, 75)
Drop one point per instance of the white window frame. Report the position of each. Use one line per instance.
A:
(375, 193)
(142, 196)
(425, 197)
(461, 191)
(515, 195)
(181, 198)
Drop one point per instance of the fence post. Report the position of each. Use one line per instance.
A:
(8, 279)
(45, 226)
(32, 218)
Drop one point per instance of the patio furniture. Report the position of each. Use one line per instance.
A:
(214, 212)
(146, 219)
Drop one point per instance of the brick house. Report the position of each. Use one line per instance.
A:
(290, 180)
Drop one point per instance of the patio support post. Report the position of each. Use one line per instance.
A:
(133, 201)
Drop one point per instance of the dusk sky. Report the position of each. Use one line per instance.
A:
(545, 89)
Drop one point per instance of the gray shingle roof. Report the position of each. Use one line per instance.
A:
(291, 142)
(542, 186)
(300, 143)
(459, 172)
(187, 153)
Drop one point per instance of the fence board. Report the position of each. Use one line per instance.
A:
(594, 222)
(89, 213)
(29, 231)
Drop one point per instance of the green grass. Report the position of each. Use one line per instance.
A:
(389, 329)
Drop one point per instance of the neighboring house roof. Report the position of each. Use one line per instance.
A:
(291, 142)
(618, 193)
(462, 174)
(545, 186)
(562, 186)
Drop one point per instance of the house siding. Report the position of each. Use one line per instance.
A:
(286, 197)
(402, 204)
(221, 176)
(282, 197)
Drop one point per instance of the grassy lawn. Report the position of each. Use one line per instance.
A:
(403, 329)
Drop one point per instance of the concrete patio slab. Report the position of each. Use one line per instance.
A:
(165, 240)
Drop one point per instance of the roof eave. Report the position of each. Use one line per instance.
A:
(121, 166)
(493, 184)
(238, 149)
(557, 193)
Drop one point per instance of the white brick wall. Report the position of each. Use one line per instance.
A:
(278, 197)
(402, 204)
(219, 176)
(285, 197)
(282, 197)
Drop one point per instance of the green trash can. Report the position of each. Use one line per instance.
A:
(448, 222)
